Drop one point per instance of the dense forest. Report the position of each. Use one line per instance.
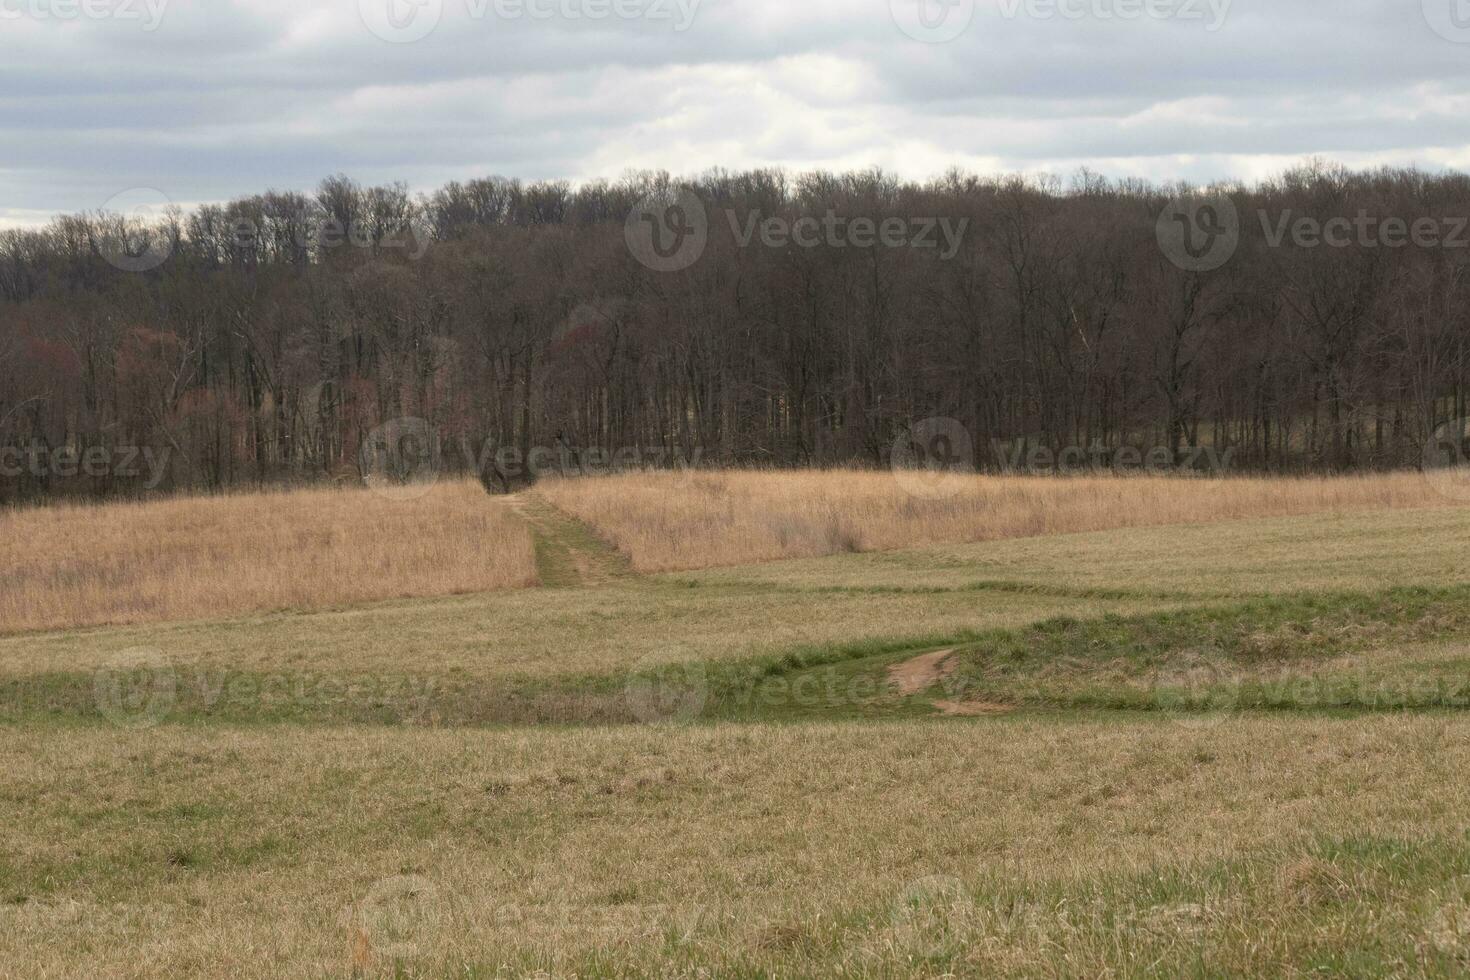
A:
(262, 340)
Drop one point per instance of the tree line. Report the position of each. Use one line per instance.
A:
(758, 318)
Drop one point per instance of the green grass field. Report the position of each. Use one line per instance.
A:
(1228, 749)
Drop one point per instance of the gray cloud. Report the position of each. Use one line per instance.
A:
(229, 97)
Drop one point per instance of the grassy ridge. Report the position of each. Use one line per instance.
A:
(1295, 652)
(713, 774)
(1282, 653)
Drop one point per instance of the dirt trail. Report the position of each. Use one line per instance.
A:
(568, 554)
(921, 673)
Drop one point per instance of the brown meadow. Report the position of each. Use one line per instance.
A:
(208, 557)
(673, 521)
(197, 558)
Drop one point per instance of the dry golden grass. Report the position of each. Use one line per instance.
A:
(1342, 552)
(209, 557)
(673, 521)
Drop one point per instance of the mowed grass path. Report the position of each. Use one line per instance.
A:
(708, 773)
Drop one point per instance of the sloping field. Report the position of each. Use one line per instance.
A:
(1230, 747)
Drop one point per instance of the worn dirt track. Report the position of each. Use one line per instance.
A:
(923, 672)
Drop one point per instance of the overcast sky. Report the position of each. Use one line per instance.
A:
(208, 99)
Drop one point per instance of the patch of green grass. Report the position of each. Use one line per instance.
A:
(151, 694)
(1288, 653)
(499, 637)
(1291, 652)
